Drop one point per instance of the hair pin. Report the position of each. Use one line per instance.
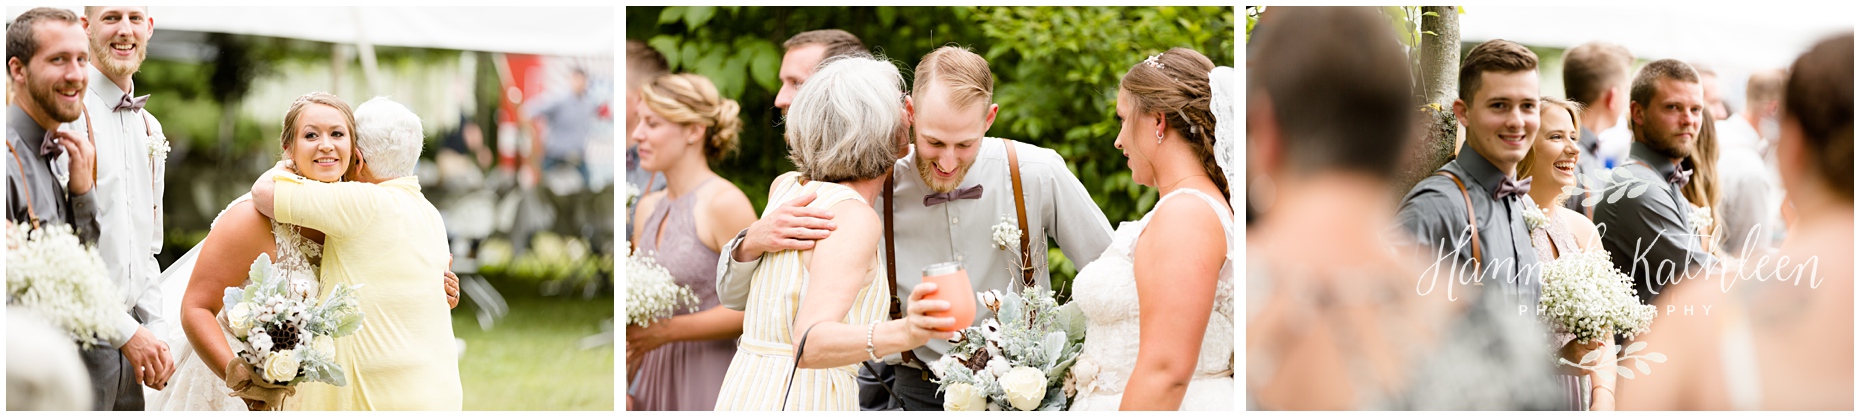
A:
(1154, 61)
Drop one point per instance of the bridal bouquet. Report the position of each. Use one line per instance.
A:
(1018, 364)
(1585, 295)
(651, 294)
(283, 331)
(49, 272)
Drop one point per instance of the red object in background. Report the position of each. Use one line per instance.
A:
(526, 79)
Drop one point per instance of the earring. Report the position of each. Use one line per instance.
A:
(1159, 138)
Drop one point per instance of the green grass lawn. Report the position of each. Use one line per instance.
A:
(532, 358)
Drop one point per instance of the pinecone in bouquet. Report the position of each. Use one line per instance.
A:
(1016, 360)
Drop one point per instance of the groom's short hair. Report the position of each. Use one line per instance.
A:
(838, 42)
(389, 136)
(964, 73)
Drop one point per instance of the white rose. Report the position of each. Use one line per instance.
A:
(964, 397)
(239, 317)
(1025, 387)
(281, 366)
(1080, 378)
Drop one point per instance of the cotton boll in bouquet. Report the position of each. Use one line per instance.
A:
(1584, 296)
(49, 272)
(1016, 360)
(283, 331)
(651, 293)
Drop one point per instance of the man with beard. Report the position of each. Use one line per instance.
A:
(130, 150)
(1649, 233)
(948, 211)
(46, 55)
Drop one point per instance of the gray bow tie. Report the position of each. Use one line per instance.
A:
(131, 103)
(1509, 187)
(970, 193)
(49, 148)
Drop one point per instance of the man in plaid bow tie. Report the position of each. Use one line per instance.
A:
(129, 181)
(1650, 232)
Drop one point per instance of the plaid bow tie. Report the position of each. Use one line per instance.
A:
(131, 103)
(970, 193)
(1509, 187)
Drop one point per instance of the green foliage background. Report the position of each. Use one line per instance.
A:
(1056, 73)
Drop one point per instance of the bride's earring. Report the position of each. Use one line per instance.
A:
(1159, 137)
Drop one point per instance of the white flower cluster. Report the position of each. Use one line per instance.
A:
(632, 195)
(1534, 217)
(1007, 234)
(158, 149)
(651, 293)
(1585, 295)
(49, 272)
(1700, 219)
(283, 331)
(1014, 365)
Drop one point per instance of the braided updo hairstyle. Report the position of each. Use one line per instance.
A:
(1179, 90)
(692, 99)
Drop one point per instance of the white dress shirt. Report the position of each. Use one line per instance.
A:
(129, 185)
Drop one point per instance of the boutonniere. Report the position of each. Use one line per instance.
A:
(158, 148)
(1006, 234)
(1700, 220)
(1534, 218)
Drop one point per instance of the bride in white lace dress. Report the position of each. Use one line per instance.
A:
(317, 139)
(1159, 302)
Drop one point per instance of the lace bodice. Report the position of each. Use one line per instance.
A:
(1106, 291)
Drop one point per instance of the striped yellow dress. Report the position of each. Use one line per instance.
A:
(759, 372)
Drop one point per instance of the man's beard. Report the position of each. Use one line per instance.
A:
(1666, 143)
(49, 101)
(926, 171)
(105, 59)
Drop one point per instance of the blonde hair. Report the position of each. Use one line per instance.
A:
(963, 72)
(297, 109)
(846, 121)
(692, 99)
(1530, 153)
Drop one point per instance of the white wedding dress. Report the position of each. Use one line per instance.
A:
(1106, 291)
(194, 386)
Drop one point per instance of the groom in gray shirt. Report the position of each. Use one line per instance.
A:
(948, 211)
(1498, 107)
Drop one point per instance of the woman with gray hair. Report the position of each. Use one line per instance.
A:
(824, 309)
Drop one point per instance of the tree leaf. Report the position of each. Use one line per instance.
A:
(1642, 366)
(1624, 372)
(1591, 356)
(1635, 347)
(671, 14)
(1656, 357)
(697, 15)
(1430, 14)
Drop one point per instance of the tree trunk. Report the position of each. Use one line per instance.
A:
(1437, 82)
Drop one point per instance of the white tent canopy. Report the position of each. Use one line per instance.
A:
(1741, 39)
(563, 31)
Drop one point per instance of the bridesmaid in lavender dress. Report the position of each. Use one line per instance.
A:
(684, 124)
(1556, 231)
